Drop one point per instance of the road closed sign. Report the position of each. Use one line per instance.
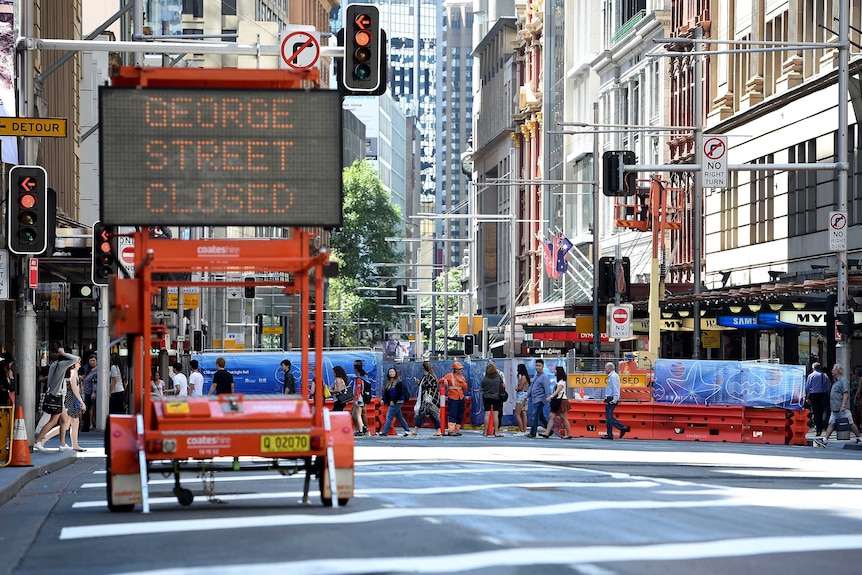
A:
(714, 161)
(619, 321)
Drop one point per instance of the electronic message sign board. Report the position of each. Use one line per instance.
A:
(191, 157)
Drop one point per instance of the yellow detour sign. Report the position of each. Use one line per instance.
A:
(272, 330)
(191, 299)
(38, 127)
(710, 339)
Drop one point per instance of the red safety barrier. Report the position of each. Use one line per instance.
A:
(797, 428)
(765, 425)
(586, 418)
(372, 413)
(697, 423)
(636, 394)
(639, 417)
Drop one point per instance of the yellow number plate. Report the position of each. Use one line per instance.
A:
(284, 443)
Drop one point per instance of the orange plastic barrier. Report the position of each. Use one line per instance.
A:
(766, 425)
(697, 423)
(636, 394)
(797, 428)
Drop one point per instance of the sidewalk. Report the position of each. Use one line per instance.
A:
(12, 479)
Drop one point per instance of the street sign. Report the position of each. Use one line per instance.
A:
(33, 276)
(30, 127)
(838, 231)
(300, 49)
(126, 246)
(619, 321)
(714, 171)
(4, 274)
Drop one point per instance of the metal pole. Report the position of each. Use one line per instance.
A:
(597, 341)
(697, 196)
(842, 349)
(513, 266)
(104, 360)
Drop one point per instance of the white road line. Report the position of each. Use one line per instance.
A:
(386, 490)
(180, 526)
(580, 555)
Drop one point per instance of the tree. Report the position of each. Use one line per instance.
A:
(369, 218)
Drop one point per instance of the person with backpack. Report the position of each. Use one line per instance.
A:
(817, 393)
(361, 399)
(394, 395)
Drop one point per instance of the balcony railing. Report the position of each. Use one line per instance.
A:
(627, 27)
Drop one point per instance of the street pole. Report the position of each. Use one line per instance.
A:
(842, 349)
(597, 341)
(697, 190)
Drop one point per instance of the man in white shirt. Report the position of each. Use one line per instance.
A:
(196, 380)
(181, 384)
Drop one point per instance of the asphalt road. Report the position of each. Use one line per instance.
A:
(469, 505)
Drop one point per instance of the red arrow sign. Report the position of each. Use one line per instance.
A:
(27, 184)
(363, 21)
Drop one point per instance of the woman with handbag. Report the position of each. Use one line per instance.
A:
(428, 400)
(75, 406)
(394, 396)
(492, 397)
(559, 404)
(522, 395)
(52, 405)
(339, 389)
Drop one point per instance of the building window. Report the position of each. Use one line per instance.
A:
(228, 7)
(194, 7)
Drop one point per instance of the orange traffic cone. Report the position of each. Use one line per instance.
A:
(20, 446)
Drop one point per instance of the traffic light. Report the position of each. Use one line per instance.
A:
(82, 291)
(846, 327)
(617, 182)
(469, 346)
(400, 296)
(27, 210)
(249, 289)
(105, 254)
(198, 340)
(610, 281)
(363, 71)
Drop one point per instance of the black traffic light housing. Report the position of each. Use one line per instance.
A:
(27, 210)
(363, 69)
(608, 282)
(82, 291)
(198, 340)
(846, 326)
(400, 295)
(249, 289)
(617, 182)
(469, 344)
(106, 262)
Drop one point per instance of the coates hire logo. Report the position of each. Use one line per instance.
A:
(216, 250)
(200, 442)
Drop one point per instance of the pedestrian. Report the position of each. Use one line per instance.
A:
(340, 390)
(522, 396)
(429, 400)
(612, 398)
(492, 399)
(817, 395)
(158, 383)
(540, 394)
(394, 396)
(74, 406)
(90, 377)
(181, 383)
(117, 402)
(456, 388)
(196, 379)
(361, 399)
(7, 380)
(222, 379)
(289, 378)
(56, 387)
(839, 396)
(856, 398)
(559, 404)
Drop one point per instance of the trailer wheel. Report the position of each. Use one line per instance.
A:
(126, 507)
(184, 496)
(320, 467)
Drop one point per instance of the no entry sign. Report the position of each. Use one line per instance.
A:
(619, 321)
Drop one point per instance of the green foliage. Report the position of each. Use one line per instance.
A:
(369, 218)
